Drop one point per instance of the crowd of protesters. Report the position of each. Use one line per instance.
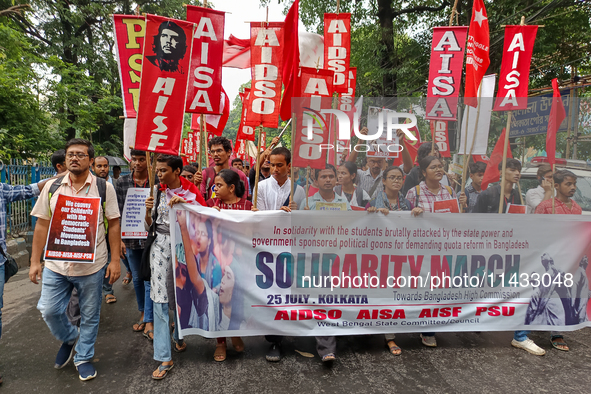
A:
(72, 293)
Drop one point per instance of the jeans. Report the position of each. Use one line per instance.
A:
(56, 290)
(520, 336)
(126, 264)
(1, 294)
(162, 346)
(142, 288)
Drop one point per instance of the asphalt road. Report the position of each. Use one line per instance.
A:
(462, 363)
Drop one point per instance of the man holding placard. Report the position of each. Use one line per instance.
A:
(133, 234)
(81, 226)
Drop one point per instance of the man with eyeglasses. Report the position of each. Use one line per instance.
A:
(61, 277)
(220, 150)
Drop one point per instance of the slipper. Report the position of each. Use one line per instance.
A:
(394, 349)
(238, 344)
(560, 345)
(141, 326)
(179, 346)
(127, 280)
(162, 368)
(147, 334)
(220, 352)
(110, 298)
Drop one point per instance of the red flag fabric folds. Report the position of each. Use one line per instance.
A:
(492, 173)
(215, 123)
(236, 53)
(477, 59)
(291, 58)
(557, 115)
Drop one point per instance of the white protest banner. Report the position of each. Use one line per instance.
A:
(350, 273)
(134, 212)
(73, 229)
(481, 115)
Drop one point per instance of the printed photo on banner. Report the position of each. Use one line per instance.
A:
(73, 229)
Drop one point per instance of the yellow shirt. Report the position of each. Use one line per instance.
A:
(90, 189)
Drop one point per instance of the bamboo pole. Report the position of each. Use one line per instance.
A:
(570, 120)
(293, 132)
(307, 185)
(504, 163)
(258, 168)
(553, 189)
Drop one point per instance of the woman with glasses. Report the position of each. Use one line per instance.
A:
(423, 196)
(347, 177)
(390, 199)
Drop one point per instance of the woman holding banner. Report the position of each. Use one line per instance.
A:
(390, 199)
(424, 195)
(347, 177)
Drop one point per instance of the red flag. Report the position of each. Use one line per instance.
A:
(477, 60)
(411, 146)
(291, 58)
(129, 44)
(344, 103)
(439, 131)
(492, 173)
(445, 72)
(557, 115)
(245, 131)
(514, 81)
(184, 148)
(316, 94)
(163, 88)
(215, 123)
(205, 78)
(337, 48)
(266, 60)
(236, 53)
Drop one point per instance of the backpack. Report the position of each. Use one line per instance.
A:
(101, 185)
(418, 189)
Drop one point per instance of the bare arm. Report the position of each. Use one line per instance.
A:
(149, 206)
(353, 155)
(39, 238)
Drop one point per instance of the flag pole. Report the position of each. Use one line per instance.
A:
(504, 162)
(292, 172)
(258, 168)
(553, 190)
(467, 157)
(307, 185)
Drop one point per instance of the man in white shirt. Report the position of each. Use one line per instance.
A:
(543, 192)
(274, 192)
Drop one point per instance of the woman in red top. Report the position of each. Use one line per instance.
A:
(229, 194)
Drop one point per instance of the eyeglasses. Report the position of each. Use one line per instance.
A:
(78, 155)
(394, 178)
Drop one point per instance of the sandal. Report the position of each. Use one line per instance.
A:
(238, 344)
(560, 344)
(394, 349)
(139, 326)
(179, 346)
(162, 368)
(220, 352)
(127, 280)
(147, 335)
(110, 298)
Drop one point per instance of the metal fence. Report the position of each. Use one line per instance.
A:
(20, 172)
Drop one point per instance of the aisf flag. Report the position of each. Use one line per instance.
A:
(514, 81)
(266, 58)
(445, 72)
(205, 80)
(163, 89)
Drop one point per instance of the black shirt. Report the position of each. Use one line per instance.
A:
(488, 200)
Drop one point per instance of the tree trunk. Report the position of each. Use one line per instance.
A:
(388, 59)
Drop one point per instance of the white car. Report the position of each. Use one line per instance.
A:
(579, 167)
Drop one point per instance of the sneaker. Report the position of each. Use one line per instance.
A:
(274, 353)
(86, 371)
(429, 340)
(529, 346)
(64, 355)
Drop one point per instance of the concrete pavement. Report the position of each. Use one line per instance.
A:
(462, 363)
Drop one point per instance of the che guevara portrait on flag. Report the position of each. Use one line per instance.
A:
(169, 46)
